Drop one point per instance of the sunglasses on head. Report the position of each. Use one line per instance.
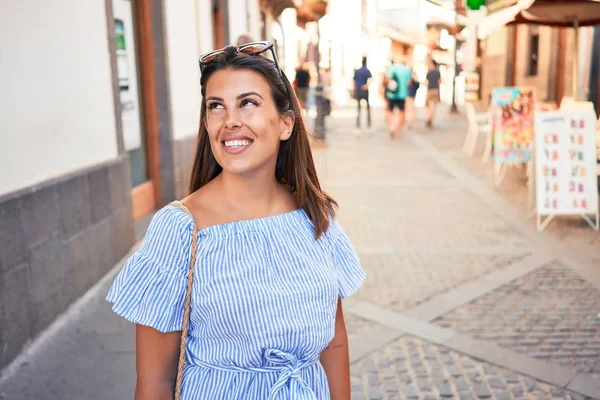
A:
(250, 49)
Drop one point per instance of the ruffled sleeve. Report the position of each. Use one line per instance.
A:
(150, 289)
(347, 263)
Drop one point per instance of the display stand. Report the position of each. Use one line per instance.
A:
(565, 167)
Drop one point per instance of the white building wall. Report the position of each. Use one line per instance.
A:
(244, 18)
(57, 105)
(254, 19)
(184, 74)
(287, 33)
(204, 26)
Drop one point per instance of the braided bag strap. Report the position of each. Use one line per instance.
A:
(188, 300)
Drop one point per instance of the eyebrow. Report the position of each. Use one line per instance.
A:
(240, 96)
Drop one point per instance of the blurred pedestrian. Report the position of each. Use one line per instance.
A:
(434, 79)
(326, 83)
(411, 109)
(302, 84)
(396, 92)
(385, 79)
(362, 79)
(253, 263)
(244, 38)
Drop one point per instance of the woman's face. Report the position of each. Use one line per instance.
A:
(243, 123)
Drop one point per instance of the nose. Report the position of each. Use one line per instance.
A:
(232, 118)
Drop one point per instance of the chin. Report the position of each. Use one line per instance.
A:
(238, 168)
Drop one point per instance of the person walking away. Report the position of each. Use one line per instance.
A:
(244, 38)
(385, 79)
(362, 78)
(302, 84)
(252, 264)
(411, 109)
(396, 92)
(326, 83)
(434, 79)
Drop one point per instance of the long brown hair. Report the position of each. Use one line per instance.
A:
(295, 166)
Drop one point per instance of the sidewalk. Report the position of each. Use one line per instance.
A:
(464, 298)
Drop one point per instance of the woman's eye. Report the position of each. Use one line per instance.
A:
(213, 106)
(248, 103)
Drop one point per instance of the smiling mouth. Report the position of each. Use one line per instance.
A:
(234, 144)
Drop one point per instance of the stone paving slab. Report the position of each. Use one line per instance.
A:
(356, 325)
(411, 368)
(467, 292)
(403, 280)
(550, 314)
(416, 216)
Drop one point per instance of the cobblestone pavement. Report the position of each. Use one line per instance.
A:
(550, 313)
(411, 368)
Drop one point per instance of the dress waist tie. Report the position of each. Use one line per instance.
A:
(288, 368)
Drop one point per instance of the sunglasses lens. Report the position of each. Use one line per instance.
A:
(261, 49)
(209, 57)
(253, 48)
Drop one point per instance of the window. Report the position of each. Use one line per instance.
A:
(534, 48)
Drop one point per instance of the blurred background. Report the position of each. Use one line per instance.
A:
(467, 297)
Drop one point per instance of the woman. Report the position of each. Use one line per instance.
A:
(272, 263)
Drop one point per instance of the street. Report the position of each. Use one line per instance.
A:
(464, 299)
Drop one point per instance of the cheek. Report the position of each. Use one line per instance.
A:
(263, 126)
(213, 126)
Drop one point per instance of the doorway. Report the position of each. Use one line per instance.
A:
(132, 55)
(220, 28)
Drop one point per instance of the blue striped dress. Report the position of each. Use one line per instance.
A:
(263, 307)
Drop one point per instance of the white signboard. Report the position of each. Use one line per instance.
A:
(565, 165)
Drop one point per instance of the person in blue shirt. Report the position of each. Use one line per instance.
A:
(396, 92)
(362, 77)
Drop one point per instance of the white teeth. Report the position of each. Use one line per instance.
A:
(237, 143)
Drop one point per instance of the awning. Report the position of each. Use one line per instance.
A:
(565, 13)
(499, 14)
(276, 7)
(500, 18)
(306, 10)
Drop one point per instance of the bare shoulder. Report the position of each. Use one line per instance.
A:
(201, 205)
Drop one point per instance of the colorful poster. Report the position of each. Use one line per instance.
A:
(512, 110)
(565, 163)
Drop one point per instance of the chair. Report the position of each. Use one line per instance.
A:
(479, 124)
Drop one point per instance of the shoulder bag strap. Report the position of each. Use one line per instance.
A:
(188, 298)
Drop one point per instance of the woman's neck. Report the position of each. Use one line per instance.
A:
(260, 193)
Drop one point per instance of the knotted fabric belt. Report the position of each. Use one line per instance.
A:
(286, 365)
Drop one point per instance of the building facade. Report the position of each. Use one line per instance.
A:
(542, 57)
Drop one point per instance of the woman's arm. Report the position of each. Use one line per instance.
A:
(157, 356)
(336, 361)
